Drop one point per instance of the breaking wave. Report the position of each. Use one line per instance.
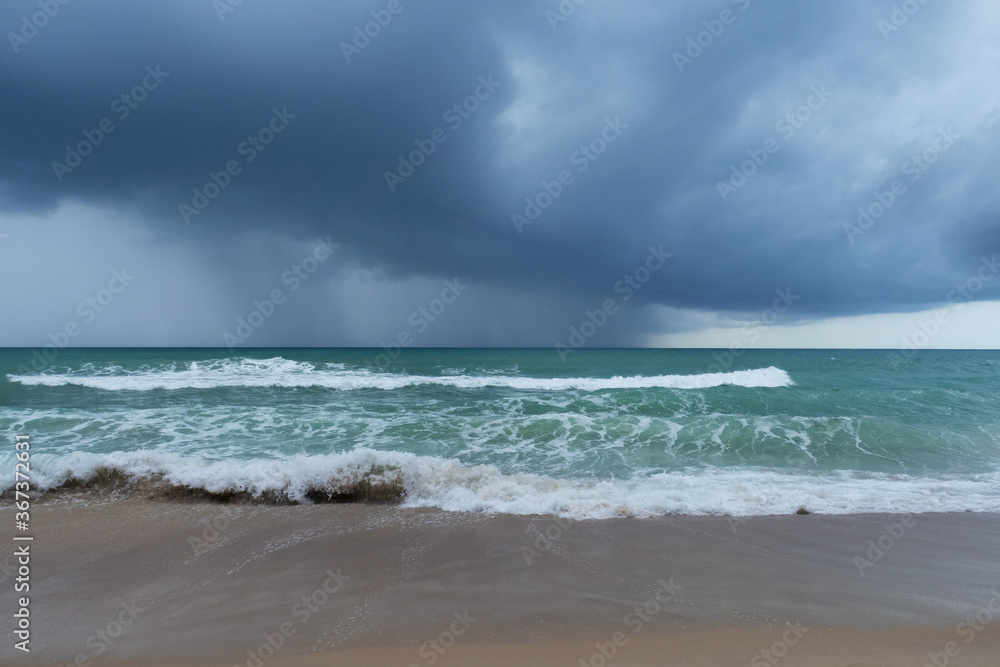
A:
(366, 475)
(278, 372)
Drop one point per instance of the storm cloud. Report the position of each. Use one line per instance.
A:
(538, 152)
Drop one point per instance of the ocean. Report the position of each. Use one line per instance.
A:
(608, 433)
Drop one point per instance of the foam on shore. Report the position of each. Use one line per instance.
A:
(425, 481)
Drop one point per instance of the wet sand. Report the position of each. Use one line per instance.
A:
(139, 582)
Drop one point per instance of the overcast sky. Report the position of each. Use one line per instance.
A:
(447, 172)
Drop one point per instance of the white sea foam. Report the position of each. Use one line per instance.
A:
(447, 484)
(280, 372)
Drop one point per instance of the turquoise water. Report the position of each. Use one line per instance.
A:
(608, 433)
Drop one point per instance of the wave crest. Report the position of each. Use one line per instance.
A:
(365, 475)
(279, 372)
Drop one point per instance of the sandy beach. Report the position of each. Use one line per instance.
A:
(141, 582)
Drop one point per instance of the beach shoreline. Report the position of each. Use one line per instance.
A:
(205, 583)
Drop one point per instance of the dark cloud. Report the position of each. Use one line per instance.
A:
(657, 184)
